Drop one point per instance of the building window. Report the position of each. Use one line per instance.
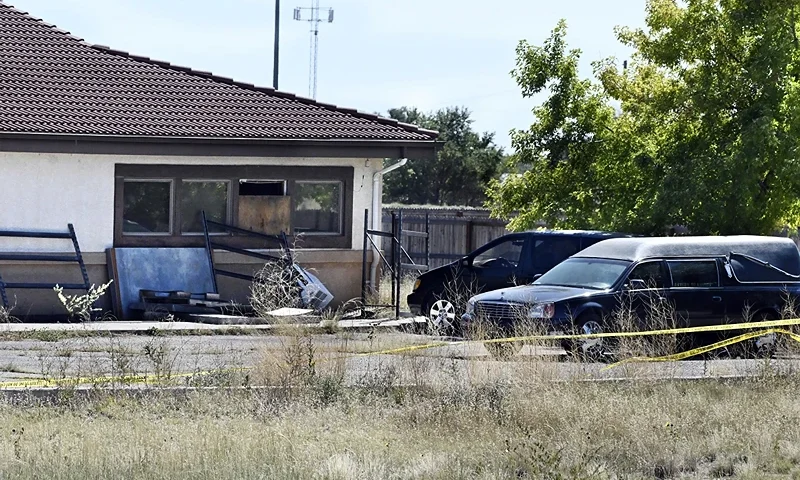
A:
(197, 196)
(317, 207)
(147, 207)
(162, 205)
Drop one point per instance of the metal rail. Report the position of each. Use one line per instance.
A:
(281, 240)
(398, 261)
(44, 257)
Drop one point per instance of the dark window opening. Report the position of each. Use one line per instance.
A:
(262, 188)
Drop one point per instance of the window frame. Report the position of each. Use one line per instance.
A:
(228, 203)
(501, 241)
(537, 264)
(693, 260)
(341, 207)
(286, 173)
(172, 196)
(665, 273)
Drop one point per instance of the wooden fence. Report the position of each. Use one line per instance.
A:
(453, 232)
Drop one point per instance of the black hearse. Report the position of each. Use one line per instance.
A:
(512, 259)
(706, 280)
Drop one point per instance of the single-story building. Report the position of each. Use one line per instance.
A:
(131, 150)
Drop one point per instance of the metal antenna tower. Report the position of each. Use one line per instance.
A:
(314, 19)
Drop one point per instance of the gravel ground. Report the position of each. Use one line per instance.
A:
(97, 356)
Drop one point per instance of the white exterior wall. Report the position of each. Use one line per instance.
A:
(45, 191)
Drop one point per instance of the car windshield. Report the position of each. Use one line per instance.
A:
(594, 273)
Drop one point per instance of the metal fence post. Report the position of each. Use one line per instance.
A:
(427, 240)
(399, 262)
(364, 263)
(393, 251)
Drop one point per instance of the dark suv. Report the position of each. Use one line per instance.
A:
(512, 259)
(700, 280)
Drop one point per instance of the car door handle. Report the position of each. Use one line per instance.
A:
(716, 298)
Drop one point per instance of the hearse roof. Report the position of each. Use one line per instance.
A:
(779, 252)
(582, 233)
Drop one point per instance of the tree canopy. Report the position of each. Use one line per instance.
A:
(463, 168)
(701, 129)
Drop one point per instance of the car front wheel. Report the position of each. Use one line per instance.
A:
(587, 349)
(442, 316)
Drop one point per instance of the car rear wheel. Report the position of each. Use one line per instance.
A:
(764, 346)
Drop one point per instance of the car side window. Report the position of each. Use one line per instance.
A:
(694, 273)
(550, 251)
(651, 273)
(505, 254)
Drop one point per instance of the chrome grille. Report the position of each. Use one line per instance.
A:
(500, 310)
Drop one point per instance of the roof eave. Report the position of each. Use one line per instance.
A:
(216, 146)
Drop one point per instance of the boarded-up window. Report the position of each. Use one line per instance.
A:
(263, 206)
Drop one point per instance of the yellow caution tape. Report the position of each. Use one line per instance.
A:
(122, 379)
(411, 348)
(769, 325)
(529, 338)
(701, 350)
(670, 331)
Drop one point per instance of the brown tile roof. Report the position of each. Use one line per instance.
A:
(54, 83)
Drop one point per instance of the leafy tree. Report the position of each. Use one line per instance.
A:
(705, 132)
(464, 166)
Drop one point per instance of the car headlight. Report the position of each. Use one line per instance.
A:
(416, 285)
(470, 306)
(542, 310)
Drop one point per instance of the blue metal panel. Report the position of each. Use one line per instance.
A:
(163, 269)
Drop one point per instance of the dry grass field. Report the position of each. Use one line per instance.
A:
(308, 407)
(527, 429)
(417, 418)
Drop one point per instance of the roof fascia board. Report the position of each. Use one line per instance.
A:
(205, 147)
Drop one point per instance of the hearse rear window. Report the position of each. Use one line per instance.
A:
(694, 273)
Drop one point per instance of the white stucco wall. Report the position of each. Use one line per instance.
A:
(45, 191)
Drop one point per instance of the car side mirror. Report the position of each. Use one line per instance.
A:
(637, 284)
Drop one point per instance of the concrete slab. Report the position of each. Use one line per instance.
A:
(117, 326)
(205, 322)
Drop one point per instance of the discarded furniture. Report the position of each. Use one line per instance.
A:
(313, 292)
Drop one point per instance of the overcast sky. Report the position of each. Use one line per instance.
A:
(377, 54)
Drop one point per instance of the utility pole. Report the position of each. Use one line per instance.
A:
(277, 44)
(314, 20)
